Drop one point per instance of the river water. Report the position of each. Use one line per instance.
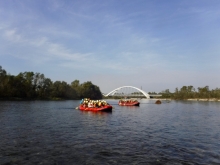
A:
(54, 132)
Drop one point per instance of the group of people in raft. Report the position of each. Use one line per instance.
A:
(88, 103)
(127, 101)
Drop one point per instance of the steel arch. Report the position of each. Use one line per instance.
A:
(143, 92)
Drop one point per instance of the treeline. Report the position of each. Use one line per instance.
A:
(188, 92)
(30, 85)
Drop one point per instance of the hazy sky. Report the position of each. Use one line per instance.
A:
(153, 44)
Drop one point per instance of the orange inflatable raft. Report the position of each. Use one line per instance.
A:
(102, 108)
(128, 103)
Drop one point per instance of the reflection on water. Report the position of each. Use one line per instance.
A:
(54, 132)
(96, 113)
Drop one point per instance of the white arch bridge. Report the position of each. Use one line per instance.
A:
(129, 91)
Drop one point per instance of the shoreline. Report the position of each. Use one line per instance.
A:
(60, 99)
(212, 99)
(196, 99)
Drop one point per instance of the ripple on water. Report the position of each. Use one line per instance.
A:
(47, 132)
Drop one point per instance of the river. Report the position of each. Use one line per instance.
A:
(54, 132)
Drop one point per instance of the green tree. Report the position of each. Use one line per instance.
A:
(88, 90)
(29, 86)
(215, 93)
(166, 94)
(204, 92)
(42, 86)
(3, 79)
(75, 85)
(63, 90)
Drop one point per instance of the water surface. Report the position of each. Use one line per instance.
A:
(54, 132)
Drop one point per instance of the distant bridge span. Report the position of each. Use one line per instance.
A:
(114, 92)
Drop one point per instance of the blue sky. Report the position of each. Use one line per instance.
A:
(153, 45)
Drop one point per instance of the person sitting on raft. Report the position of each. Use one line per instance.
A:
(86, 102)
(90, 104)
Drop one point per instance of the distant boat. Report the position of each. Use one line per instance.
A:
(128, 103)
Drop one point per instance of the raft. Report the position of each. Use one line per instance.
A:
(134, 103)
(106, 108)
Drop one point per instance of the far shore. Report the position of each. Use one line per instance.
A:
(211, 99)
(196, 99)
(61, 99)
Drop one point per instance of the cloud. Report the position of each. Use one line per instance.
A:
(12, 36)
(114, 43)
(63, 53)
(42, 45)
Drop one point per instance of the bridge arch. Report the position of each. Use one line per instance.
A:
(117, 89)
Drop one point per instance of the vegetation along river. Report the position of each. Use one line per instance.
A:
(54, 132)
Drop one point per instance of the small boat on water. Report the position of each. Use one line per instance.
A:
(128, 103)
(94, 105)
(106, 108)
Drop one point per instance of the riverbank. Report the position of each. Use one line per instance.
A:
(61, 99)
(195, 99)
(210, 99)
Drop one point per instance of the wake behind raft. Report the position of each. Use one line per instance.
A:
(94, 105)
